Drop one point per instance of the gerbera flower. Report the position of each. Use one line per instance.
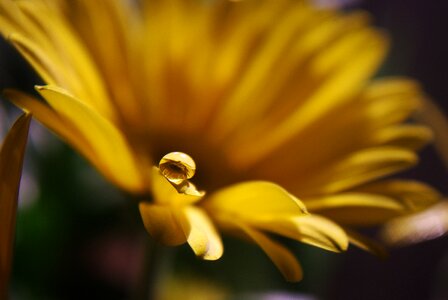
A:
(268, 102)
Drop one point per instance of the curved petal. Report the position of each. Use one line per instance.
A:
(254, 200)
(406, 136)
(414, 195)
(162, 223)
(35, 56)
(366, 243)
(107, 141)
(201, 233)
(423, 226)
(358, 168)
(357, 208)
(50, 119)
(11, 160)
(283, 259)
(45, 38)
(311, 229)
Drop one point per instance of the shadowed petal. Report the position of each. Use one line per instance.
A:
(366, 243)
(162, 224)
(358, 168)
(360, 209)
(11, 160)
(413, 194)
(416, 228)
(406, 136)
(280, 256)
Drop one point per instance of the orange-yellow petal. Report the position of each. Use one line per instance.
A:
(11, 160)
(413, 194)
(406, 136)
(357, 208)
(162, 223)
(366, 243)
(357, 168)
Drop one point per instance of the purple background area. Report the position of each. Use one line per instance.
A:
(419, 32)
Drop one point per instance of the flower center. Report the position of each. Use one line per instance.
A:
(177, 167)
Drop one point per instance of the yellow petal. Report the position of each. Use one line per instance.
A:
(283, 259)
(358, 168)
(48, 117)
(165, 193)
(311, 229)
(201, 233)
(412, 194)
(109, 144)
(53, 43)
(357, 208)
(11, 160)
(35, 56)
(162, 223)
(371, 118)
(366, 47)
(406, 136)
(389, 101)
(254, 200)
(90, 19)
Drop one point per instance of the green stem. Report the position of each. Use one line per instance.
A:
(152, 272)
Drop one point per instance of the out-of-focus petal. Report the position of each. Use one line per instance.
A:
(11, 161)
(366, 243)
(254, 200)
(201, 233)
(162, 223)
(356, 169)
(357, 208)
(45, 38)
(406, 136)
(414, 195)
(334, 89)
(426, 225)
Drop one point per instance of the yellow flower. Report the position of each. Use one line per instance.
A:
(271, 98)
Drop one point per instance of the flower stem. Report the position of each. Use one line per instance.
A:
(152, 271)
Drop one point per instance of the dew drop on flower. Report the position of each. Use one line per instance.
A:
(177, 167)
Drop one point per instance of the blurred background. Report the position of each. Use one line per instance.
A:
(80, 238)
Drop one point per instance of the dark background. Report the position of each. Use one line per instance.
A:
(419, 32)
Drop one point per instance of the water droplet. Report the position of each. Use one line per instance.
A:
(177, 167)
